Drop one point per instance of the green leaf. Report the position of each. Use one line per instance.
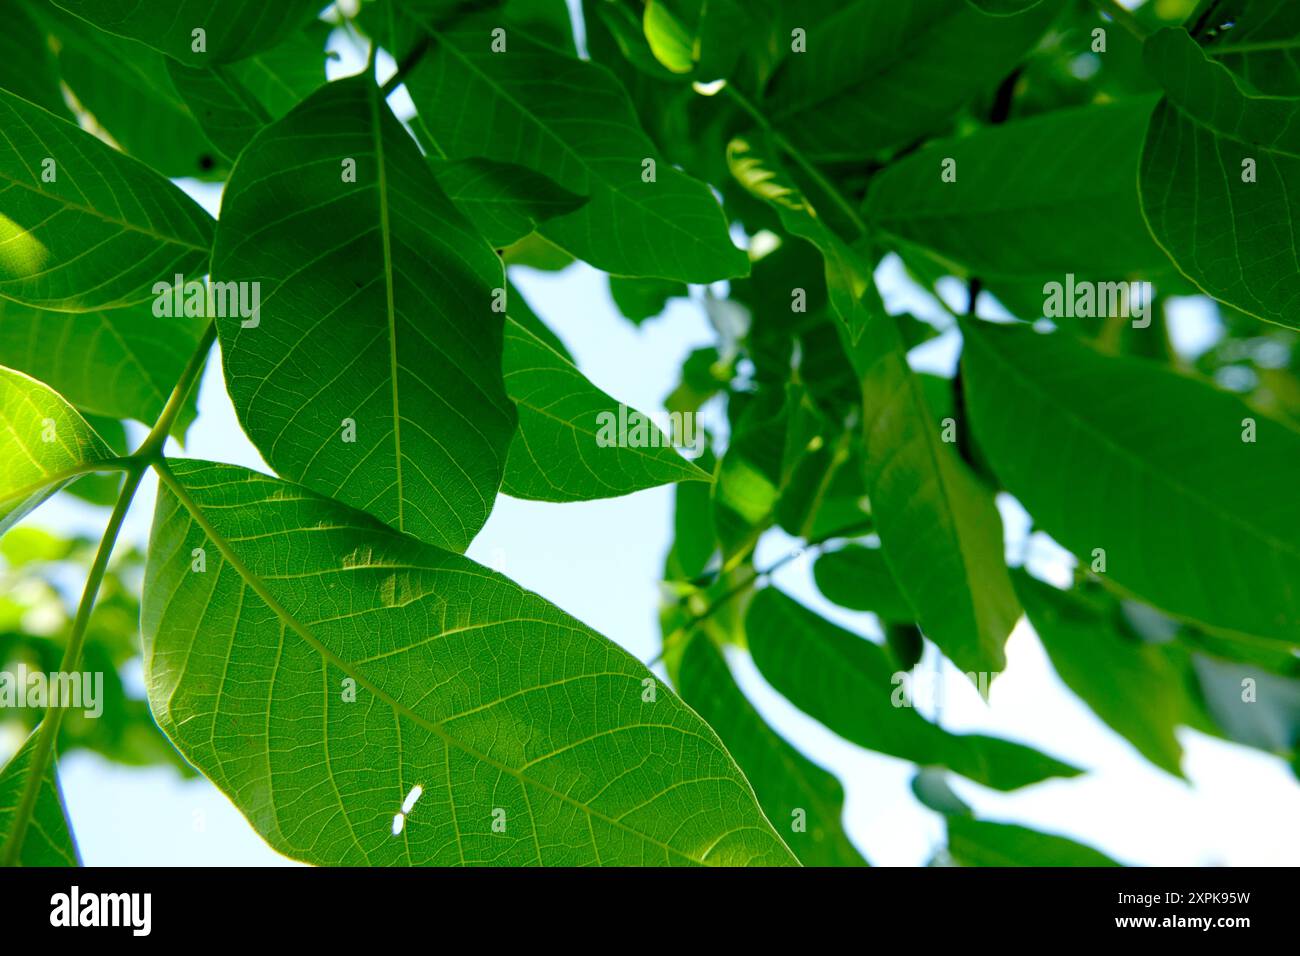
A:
(126, 88)
(984, 843)
(501, 707)
(27, 67)
(938, 526)
(1139, 689)
(1260, 41)
(47, 838)
(575, 442)
(231, 29)
(1150, 466)
(703, 37)
(120, 363)
(231, 102)
(859, 578)
(377, 310)
(505, 202)
(1003, 8)
(102, 233)
(849, 684)
(642, 299)
(878, 75)
(1016, 185)
(44, 444)
(571, 120)
(791, 789)
(1236, 239)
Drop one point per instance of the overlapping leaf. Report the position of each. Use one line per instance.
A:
(1217, 181)
(571, 120)
(848, 684)
(1016, 187)
(116, 362)
(805, 801)
(230, 29)
(231, 102)
(1120, 459)
(84, 227)
(878, 75)
(938, 526)
(324, 665)
(377, 319)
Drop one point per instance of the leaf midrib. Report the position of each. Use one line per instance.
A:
(264, 593)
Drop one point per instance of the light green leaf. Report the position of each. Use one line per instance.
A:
(101, 233)
(1150, 467)
(44, 444)
(47, 837)
(505, 202)
(1016, 185)
(1234, 236)
(120, 363)
(575, 442)
(532, 738)
(377, 320)
(571, 120)
(790, 787)
(230, 29)
(848, 683)
(878, 75)
(859, 578)
(984, 843)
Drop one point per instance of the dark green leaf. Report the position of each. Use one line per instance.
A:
(570, 120)
(505, 202)
(377, 310)
(231, 29)
(1231, 231)
(1150, 467)
(849, 684)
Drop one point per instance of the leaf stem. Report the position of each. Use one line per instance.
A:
(150, 450)
(758, 575)
(1123, 16)
(49, 728)
(153, 443)
(409, 62)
